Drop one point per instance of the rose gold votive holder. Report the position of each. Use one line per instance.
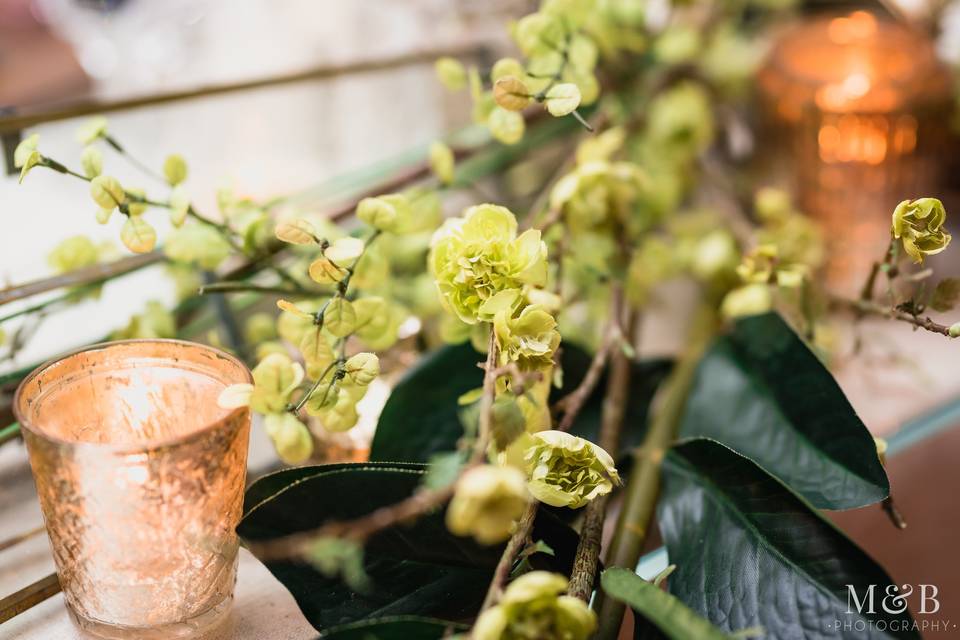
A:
(140, 476)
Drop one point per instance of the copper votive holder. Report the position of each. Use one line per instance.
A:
(140, 476)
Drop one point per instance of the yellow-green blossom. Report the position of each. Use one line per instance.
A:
(598, 192)
(762, 265)
(291, 437)
(748, 300)
(532, 607)
(567, 471)
(487, 501)
(528, 339)
(73, 253)
(274, 379)
(481, 266)
(919, 224)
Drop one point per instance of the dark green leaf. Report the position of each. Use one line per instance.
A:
(419, 569)
(268, 485)
(396, 628)
(669, 614)
(763, 393)
(421, 415)
(751, 553)
(946, 295)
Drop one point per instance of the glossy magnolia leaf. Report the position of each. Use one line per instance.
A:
(421, 415)
(416, 569)
(763, 393)
(750, 553)
(673, 618)
(396, 628)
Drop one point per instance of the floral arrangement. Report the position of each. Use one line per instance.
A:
(481, 509)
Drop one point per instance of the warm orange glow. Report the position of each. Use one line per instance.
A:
(859, 25)
(868, 139)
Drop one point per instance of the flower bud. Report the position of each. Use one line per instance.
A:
(107, 192)
(919, 225)
(567, 471)
(274, 379)
(487, 501)
(954, 330)
(529, 339)
(532, 607)
(748, 300)
(290, 436)
(175, 169)
(378, 213)
(362, 368)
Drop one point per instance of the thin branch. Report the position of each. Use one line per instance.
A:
(518, 541)
(872, 308)
(614, 408)
(866, 294)
(20, 121)
(573, 402)
(88, 275)
(22, 537)
(241, 287)
(643, 485)
(31, 595)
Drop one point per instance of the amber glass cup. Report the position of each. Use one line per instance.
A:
(140, 476)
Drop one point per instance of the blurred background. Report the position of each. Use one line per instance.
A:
(853, 107)
(275, 140)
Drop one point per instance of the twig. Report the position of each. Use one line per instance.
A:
(872, 308)
(31, 595)
(573, 402)
(893, 513)
(614, 408)
(588, 550)
(22, 537)
(240, 287)
(518, 541)
(20, 121)
(866, 294)
(643, 485)
(88, 275)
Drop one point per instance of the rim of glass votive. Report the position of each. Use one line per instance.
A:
(21, 413)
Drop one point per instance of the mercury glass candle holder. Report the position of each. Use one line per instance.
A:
(140, 476)
(860, 105)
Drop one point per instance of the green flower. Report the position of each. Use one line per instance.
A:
(748, 300)
(598, 192)
(481, 266)
(274, 379)
(529, 339)
(74, 253)
(486, 503)
(919, 224)
(291, 437)
(532, 607)
(567, 471)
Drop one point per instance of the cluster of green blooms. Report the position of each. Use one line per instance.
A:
(602, 196)
(318, 329)
(561, 53)
(532, 607)
(491, 278)
(918, 224)
(199, 243)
